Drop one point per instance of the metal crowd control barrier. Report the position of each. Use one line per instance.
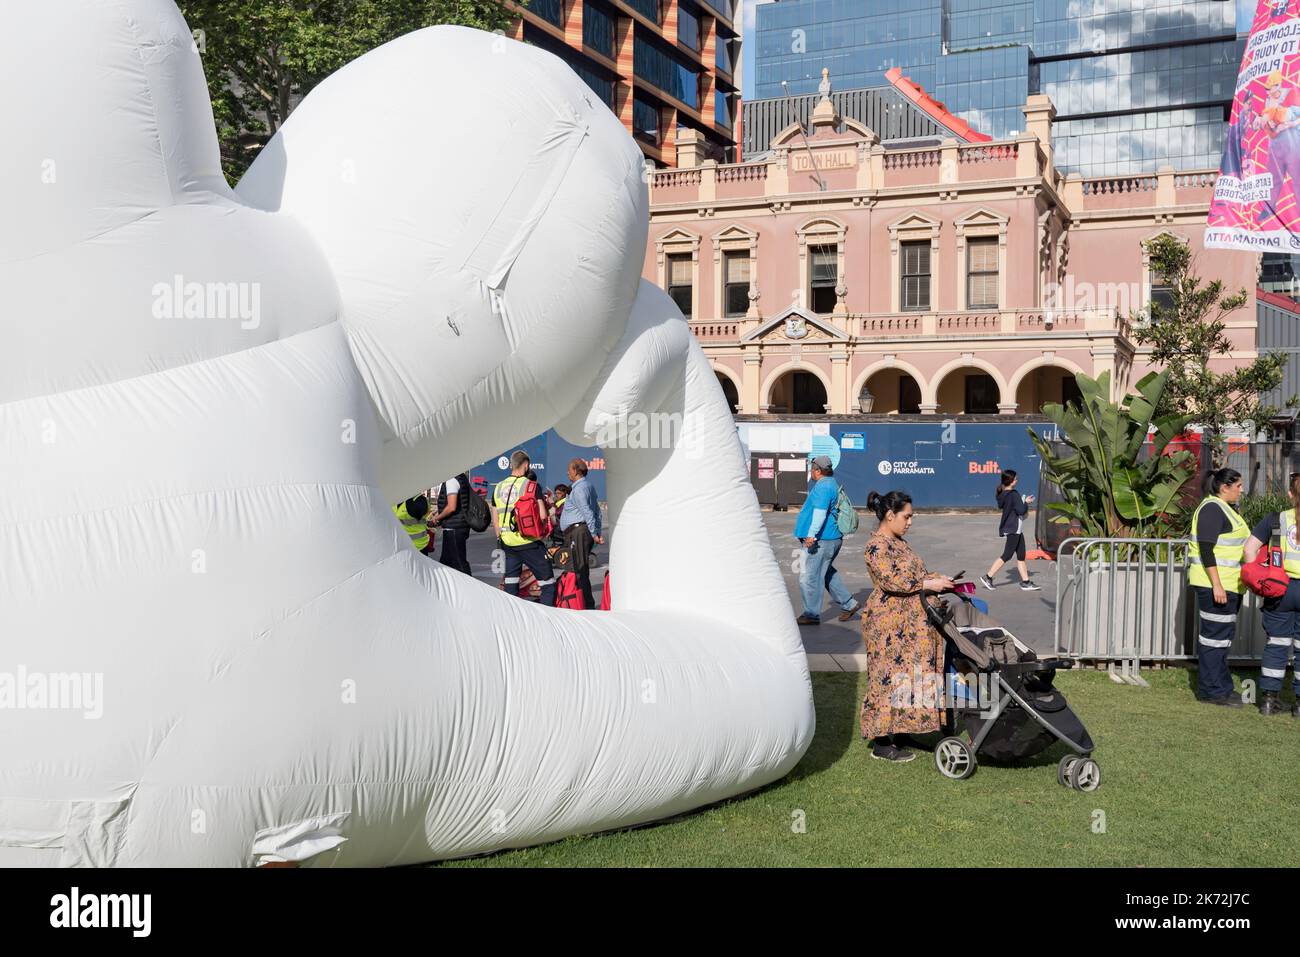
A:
(1127, 600)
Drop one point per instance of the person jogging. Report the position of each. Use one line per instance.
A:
(1012, 527)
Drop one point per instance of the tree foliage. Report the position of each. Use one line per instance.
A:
(1187, 333)
(1111, 486)
(260, 57)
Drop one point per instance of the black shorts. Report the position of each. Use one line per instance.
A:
(1015, 546)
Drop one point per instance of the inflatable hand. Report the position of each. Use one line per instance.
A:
(217, 647)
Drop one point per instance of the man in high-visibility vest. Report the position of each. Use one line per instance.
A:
(1214, 572)
(1280, 616)
(520, 550)
(411, 514)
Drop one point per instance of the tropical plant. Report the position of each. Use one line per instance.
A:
(1187, 332)
(1109, 487)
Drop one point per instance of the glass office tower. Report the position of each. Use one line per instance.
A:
(1136, 83)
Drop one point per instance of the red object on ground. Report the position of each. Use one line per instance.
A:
(1038, 553)
(1264, 578)
(604, 595)
(567, 592)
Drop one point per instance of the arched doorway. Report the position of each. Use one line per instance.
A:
(968, 390)
(893, 391)
(798, 393)
(1043, 385)
(729, 391)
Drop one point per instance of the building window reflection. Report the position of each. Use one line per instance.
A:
(654, 64)
(645, 121)
(598, 29)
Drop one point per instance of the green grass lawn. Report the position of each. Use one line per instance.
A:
(1183, 784)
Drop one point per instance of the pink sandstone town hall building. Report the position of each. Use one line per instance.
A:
(834, 274)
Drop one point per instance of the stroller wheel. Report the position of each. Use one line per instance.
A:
(1064, 768)
(954, 758)
(1086, 775)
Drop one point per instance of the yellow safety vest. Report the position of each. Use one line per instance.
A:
(504, 497)
(1290, 553)
(416, 528)
(1228, 550)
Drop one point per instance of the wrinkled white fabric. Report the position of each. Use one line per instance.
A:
(228, 651)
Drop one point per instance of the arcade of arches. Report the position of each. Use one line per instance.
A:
(964, 390)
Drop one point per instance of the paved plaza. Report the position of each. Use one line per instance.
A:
(947, 542)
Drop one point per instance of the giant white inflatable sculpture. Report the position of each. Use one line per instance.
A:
(216, 645)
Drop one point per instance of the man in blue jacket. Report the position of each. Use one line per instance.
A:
(819, 532)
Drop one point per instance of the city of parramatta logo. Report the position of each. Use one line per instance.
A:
(904, 468)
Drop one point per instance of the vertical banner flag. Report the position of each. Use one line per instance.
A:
(1255, 198)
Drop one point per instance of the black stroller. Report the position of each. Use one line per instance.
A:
(999, 692)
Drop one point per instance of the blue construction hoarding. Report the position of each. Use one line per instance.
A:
(940, 462)
(550, 456)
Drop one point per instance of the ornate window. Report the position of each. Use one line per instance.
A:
(914, 263)
(825, 276)
(681, 283)
(982, 259)
(821, 266)
(735, 264)
(677, 253)
(1157, 288)
(982, 273)
(914, 295)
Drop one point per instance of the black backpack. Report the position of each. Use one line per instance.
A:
(477, 516)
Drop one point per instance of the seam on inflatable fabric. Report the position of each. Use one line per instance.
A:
(141, 782)
(189, 200)
(127, 506)
(153, 101)
(537, 75)
(561, 285)
(82, 240)
(176, 369)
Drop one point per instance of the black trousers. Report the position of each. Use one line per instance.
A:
(534, 556)
(453, 549)
(579, 542)
(1015, 545)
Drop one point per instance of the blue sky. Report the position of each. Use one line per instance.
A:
(1245, 15)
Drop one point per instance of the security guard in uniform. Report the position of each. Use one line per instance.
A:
(1281, 616)
(411, 514)
(1214, 572)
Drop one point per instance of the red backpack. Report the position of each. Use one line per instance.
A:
(568, 594)
(526, 514)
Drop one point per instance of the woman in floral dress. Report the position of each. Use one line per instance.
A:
(904, 654)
